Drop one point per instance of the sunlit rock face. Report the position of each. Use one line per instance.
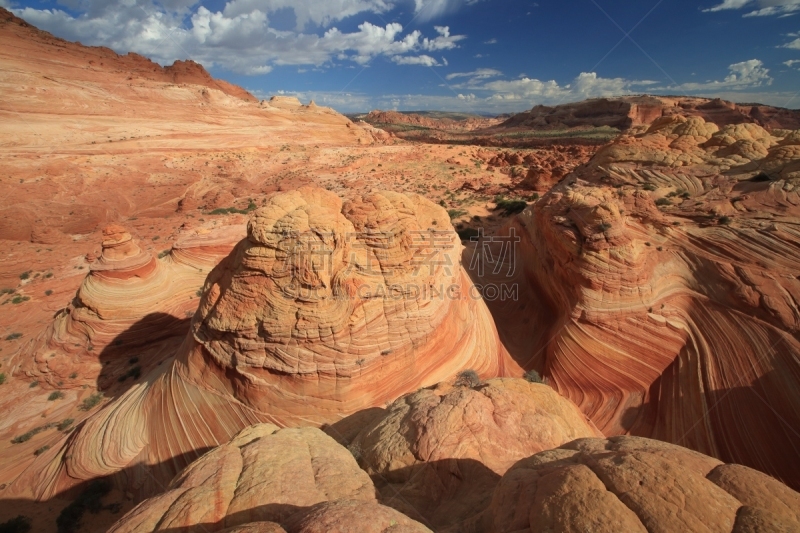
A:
(323, 310)
(662, 291)
(265, 480)
(326, 309)
(637, 485)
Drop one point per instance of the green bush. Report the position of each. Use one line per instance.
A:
(467, 378)
(64, 424)
(532, 376)
(605, 226)
(2, 378)
(91, 402)
(40, 451)
(649, 187)
(18, 299)
(455, 213)
(25, 437)
(725, 220)
(33, 384)
(13, 336)
(511, 207)
(467, 234)
(19, 524)
(25, 275)
(663, 201)
(91, 500)
(55, 395)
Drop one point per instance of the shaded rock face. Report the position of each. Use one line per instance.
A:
(662, 283)
(634, 484)
(437, 454)
(265, 477)
(323, 310)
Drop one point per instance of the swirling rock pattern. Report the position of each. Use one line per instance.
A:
(662, 283)
(437, 454)
(129, 303)
(325, 309)
(637, 485)
(264, 477)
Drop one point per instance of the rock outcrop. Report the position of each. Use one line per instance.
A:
(323, 310)
(437, 454)
(636, 485)
(265, 477)
(661, 280)
(130, 305)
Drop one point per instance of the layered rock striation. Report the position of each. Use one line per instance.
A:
(662, 283)
(323, 310)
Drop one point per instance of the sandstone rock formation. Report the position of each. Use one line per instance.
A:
(636, 485)
(437, 454)
(130, 302)
(323, 310)
(265, 477)
(662, 283)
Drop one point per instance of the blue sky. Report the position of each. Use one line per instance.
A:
(485, 56)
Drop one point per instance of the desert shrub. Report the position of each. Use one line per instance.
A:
(649, 187)
(725, 220)
(2, 378)
(91, 402)
(533, 197)
(33, 384)
(455, 213)
(605, 226)
(18, 299)
(25, 437)
(468, 233)
(511, 207)
(73, 375)
(663, 201)
(467, 378)
(6, 291)
(91, 500)
(40, 451)
(25, 275)
(134, 373)
(55, 395)
(64, 424)
(163, 254)
(18, 524)
(48, 292)
(532, 376)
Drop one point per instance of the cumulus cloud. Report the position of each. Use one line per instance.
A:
(586, 85)
(766, 7)
(792, 62)
(239, 37)
(744, 75)
(424, 60)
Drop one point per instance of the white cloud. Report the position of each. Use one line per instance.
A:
(586, 85)
(728, 4)
(794, 45)
(490, 41)
(479, 74)
(744, 75)
(424, 60)
(792, 62)
(430, 9)
(766, 7)
(310, 11)
(237, 38)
